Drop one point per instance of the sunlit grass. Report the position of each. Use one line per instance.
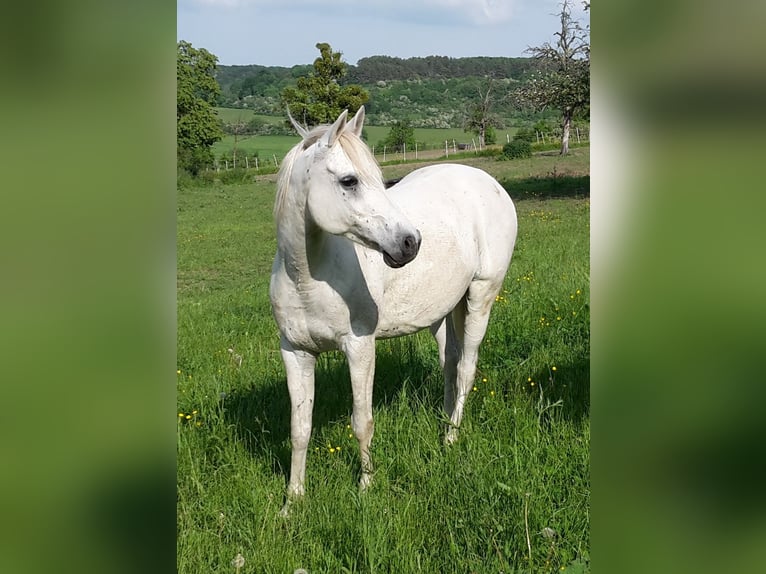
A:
(516, 484)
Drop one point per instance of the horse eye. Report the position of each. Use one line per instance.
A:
(349, 181)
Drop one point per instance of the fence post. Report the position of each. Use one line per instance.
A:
(384, 153)
(416, 150)
(247, 163)
(404, 151)
(446, 148)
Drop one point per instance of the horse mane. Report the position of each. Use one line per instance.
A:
(353, 146)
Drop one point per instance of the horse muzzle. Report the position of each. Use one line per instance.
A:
(407, 249)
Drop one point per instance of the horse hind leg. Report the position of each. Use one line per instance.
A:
(449, 352)
(470, 322)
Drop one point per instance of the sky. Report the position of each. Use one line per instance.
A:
(285, 32)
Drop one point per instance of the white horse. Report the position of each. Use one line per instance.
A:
(357, 262)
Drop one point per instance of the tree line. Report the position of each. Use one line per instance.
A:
(238, 82)
(555, 78)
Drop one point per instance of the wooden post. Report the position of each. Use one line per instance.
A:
(416, 150)
(577, 130)
(404, 151)
(507, 138)
(256, 162)
(247, 163)
(446, 148)
(227, 164)
(384, 153)
(454, 145)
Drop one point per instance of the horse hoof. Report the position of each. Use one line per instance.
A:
(451, 436)
(365, 482)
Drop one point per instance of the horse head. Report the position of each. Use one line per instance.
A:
(345, 191)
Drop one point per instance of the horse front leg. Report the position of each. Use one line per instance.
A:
(360, 352)
(299, 366)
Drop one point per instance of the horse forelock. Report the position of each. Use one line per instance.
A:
(355, 149)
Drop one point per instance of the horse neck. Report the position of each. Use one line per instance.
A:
(299, 240)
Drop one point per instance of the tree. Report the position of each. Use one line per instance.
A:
(481, 120)
(197, 126)
(401, 134)
(319, 98)
(563, 79)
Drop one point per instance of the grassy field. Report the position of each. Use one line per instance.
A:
(266, 146)
(511, 496)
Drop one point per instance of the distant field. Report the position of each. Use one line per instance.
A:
(229, 115)
(268, 146)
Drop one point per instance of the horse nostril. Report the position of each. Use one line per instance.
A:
(411, 244)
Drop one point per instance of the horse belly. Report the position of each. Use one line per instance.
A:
(428, 288)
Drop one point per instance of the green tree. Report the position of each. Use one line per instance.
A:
(320, 97)
(402, 133)
(197, 125)
(563, 78)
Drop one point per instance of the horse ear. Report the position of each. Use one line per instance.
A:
(303, 132)
(357, 122)
(329, 138)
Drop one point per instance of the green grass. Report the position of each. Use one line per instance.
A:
(265, 146)
(229, 115)
(523, 455)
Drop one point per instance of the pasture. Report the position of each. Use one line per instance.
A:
(266, 146)
(511, 495)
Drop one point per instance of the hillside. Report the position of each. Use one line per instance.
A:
(431, 92)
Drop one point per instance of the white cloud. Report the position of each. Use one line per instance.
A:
(480, 12)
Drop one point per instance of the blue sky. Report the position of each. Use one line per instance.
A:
(284, 32)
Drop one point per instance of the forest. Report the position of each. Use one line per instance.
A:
(430, 92)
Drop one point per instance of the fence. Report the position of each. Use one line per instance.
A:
(418, 151)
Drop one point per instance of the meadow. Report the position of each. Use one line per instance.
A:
(512, 495)
(267, 146)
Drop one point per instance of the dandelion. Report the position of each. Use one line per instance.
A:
(337, 448)
(178, 372)
(532, 384)
(529, 379)
(484, 380)
(199, 424)
(491, 393)
(188, 417)
(350, 435)
(553, 368)
(181, 415)
(195, 411)
(475, 389)
(238, 562)
(332, 450)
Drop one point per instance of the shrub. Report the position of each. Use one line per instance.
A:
(525, 134)
(518, 148)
